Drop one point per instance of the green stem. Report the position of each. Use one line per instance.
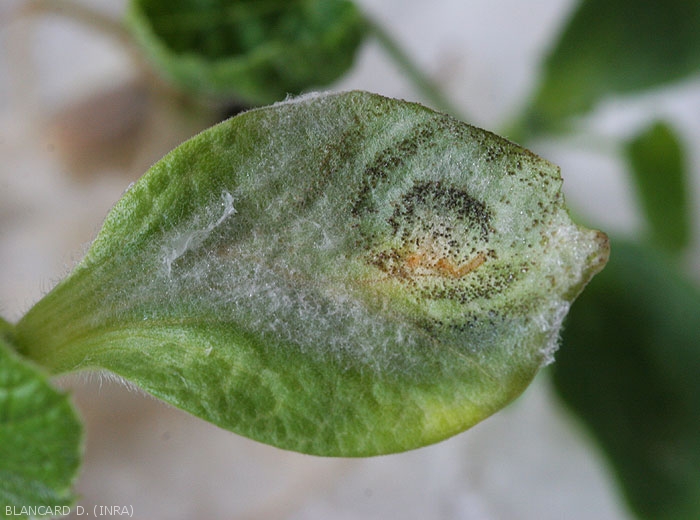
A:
(427, 88)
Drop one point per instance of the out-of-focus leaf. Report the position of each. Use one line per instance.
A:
(629, 366)
(255, 51)
(40, 440)
(342, 275)
(658, 165)
(615, 46)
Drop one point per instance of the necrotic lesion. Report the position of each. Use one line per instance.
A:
(435, 230)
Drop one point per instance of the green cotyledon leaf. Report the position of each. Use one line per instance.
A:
(255, 52)
(340, 274)
(40, 439)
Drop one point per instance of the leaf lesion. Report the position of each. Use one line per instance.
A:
(424, 263)
(436, 231)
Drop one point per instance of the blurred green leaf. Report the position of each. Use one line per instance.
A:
(629, 366)
(658, 164)
(254, 51)
(340, 274)
(615, 46)
(40, 439)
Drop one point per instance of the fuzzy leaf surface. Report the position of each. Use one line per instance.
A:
(341, 274)
(253, 52)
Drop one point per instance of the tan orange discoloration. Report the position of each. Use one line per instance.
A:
(416, 260)
(441, 266)
(448, 268)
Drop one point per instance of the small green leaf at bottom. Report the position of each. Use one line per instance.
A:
(341, 274)
(40, 441)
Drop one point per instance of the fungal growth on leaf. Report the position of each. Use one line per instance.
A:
(338, 274)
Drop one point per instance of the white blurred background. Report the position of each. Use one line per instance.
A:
(77, 126)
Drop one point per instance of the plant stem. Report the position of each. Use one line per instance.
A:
(428, 89)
